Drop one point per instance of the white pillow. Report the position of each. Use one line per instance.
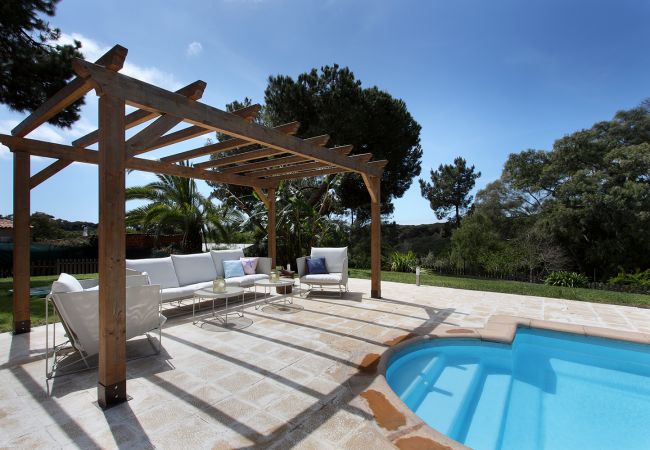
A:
(160, 270)
(334, 257)
(66, 283)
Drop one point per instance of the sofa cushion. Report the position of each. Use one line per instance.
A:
(186, 291)
(160, 270)
(66, 283)
(250, 264)
(334, 256)
(233, 268)
(194, 268)
(325, 278)
(219, 256)
(316, 266)
(246, 280)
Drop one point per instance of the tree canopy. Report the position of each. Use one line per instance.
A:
(332, 101)
(32, 69)
(449, 188)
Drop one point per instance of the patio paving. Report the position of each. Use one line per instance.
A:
(286, 381)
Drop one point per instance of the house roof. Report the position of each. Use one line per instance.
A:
(6, 223)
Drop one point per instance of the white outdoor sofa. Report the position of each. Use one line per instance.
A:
(179, 276)
(336, 260)
(79, 313)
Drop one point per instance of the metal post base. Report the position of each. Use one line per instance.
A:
(112, 395)
(22, 326)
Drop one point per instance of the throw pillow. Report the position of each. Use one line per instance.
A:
(233, 268)
(316, 266)
(250, 264)
(66, 283)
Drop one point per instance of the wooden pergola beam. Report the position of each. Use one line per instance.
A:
(67, 152)
(256, 154)
(146, 96)
(139, 116)
(373, 184)
(138, 143)
(112, 60)
(193, 131)
(47, 172)
(224, 146)
(309, 174)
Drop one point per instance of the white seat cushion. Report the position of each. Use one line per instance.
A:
(219, 256)
(246, 280)
(194, 268)
(325, 278)
(180, 292)
(160, 270)
(334, 257)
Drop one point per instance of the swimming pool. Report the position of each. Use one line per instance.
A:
(548, 390)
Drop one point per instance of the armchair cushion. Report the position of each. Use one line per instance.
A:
(233, 268)
(66, 283)
(219, 256)
(334, 257)
(316, 266)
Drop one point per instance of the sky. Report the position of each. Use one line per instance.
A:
(484, 79)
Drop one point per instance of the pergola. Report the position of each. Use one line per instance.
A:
(277, 156)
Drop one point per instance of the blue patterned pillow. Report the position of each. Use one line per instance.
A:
(316, 266)
(233, 268)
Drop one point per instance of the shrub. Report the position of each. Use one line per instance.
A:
(566, 279)
(403, 262)
(631, 279)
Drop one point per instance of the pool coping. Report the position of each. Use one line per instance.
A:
(401, 426)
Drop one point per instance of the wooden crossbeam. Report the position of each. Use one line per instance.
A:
(253, 169)
(364, 157)
(146, 96)
(224, 146)
(112, 60)
(70, 153)
(135, 118)
(193, 131)
(47, 172)
(256, 154)
(309, 174)
(139, 142)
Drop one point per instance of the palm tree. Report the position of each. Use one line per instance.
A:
(175, 204)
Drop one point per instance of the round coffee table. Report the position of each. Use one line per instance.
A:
(210, 294)
(268, 285)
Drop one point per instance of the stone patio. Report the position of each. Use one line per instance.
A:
(286, 381)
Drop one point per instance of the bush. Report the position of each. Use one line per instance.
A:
(403, 262)
(566, 279)
(632, 279)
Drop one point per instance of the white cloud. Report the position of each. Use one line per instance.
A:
(194, 49)
(92, 50)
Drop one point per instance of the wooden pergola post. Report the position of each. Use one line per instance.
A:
(111, 386)
(22, 323)
(373, 184)
(271, 227)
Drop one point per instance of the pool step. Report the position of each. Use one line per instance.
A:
(484, 424)
(448, 393)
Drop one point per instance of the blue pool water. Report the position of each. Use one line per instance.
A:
(547, 390)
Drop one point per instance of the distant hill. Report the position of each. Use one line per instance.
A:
(421, 239)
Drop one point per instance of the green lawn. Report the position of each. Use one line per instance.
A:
(514, 287)
(36, 307)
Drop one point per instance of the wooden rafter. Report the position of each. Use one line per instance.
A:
(135, 118)
(112, 60)
(309, 174)
(68, 152)
(256, 154)
(224, 146)
(47, 172)
(193, 131)
(146, 96)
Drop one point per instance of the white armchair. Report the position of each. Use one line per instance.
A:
(336, 260)
(79, 314)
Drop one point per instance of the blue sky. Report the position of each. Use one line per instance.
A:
(483, 78)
